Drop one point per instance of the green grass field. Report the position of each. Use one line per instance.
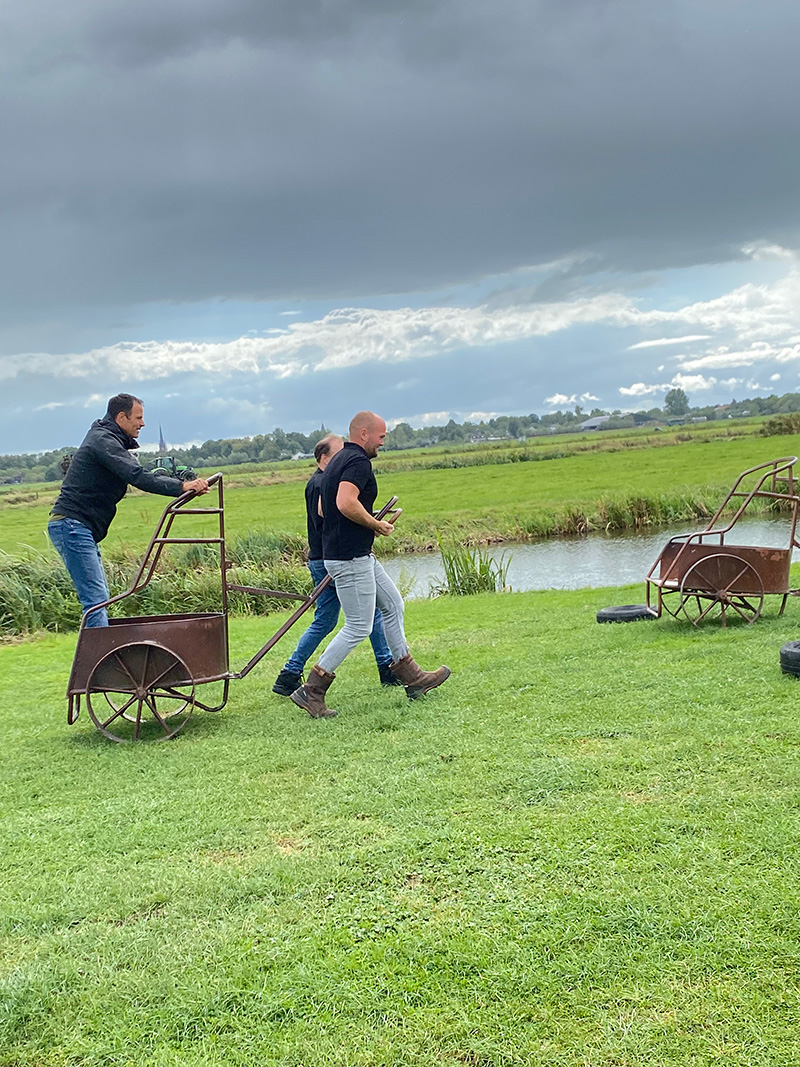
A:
(509, 500)
(582, 850)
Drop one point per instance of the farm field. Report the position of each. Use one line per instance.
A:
(582, 850)
(515, 500)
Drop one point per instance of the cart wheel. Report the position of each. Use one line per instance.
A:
(671, 600)
(148, 689)
(719, 584)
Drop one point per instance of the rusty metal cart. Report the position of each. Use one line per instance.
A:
(701, 575)
(140, 675)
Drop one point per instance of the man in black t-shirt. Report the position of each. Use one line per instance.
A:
(347, 494)
(326, 610)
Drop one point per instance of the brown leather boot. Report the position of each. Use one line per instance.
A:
(311, 696)
(417, 681)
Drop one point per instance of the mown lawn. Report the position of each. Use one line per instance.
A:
(582, 850)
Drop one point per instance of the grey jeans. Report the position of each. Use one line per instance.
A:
(361, 585)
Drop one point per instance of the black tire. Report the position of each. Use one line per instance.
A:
(626, 613)
(790, 658)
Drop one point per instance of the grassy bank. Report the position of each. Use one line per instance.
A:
(581, 850)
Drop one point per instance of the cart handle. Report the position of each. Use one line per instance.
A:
(190, 494)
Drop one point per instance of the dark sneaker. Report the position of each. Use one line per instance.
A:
(286, 683)
(388, 677)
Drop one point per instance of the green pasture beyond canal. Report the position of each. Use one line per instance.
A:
(591, 483)
(582, 850)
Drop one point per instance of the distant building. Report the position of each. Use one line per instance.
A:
(595, 423)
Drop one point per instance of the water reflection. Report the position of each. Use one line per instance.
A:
(583, 562)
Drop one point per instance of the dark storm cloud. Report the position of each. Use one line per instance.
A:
(242, 149)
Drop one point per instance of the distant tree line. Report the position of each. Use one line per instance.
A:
(280, 445)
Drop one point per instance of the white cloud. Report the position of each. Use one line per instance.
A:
(640, 389)
(669, 341)
(764, 250)
(752, 312)
(440, 418)
(758, 352)
(752, 325)
(774, 377)
(346, 337)
(432, 418)
(694, 382)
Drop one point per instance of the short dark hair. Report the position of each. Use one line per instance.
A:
(323, 447)
(122, 403)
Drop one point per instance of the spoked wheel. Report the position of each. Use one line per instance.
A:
(671, 599)
(140, 691)
(720, 585)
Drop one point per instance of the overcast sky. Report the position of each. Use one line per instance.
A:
(260, 213)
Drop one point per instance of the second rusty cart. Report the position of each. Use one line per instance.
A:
(140, 676)
(703, 575)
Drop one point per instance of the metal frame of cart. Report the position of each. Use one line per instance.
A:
(700, 575)
(140, 675)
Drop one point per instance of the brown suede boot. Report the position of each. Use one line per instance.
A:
(417, 681)
(311, 696)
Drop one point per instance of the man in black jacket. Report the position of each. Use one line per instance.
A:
(96, 480)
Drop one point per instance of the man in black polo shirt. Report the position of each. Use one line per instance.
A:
(326, 611)
(347, 494)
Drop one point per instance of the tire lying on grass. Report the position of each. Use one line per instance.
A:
(790, 658)
(626, 613)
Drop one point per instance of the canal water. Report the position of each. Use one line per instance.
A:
(581, 562)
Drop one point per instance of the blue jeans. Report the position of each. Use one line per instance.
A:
(74, 543)
(362, 585)
(326, 615)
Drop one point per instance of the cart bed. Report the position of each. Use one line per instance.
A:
(771, 564)
(199, 639)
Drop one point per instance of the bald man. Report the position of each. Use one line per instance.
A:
(326, 611)
(348, 491)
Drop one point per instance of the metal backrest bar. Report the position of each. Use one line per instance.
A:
(161, 537)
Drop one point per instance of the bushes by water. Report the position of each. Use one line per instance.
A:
(36, 592)
(471, 570)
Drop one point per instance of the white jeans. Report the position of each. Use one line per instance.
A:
(361, 585)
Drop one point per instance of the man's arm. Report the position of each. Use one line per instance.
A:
(351, 507)
(119, 460)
